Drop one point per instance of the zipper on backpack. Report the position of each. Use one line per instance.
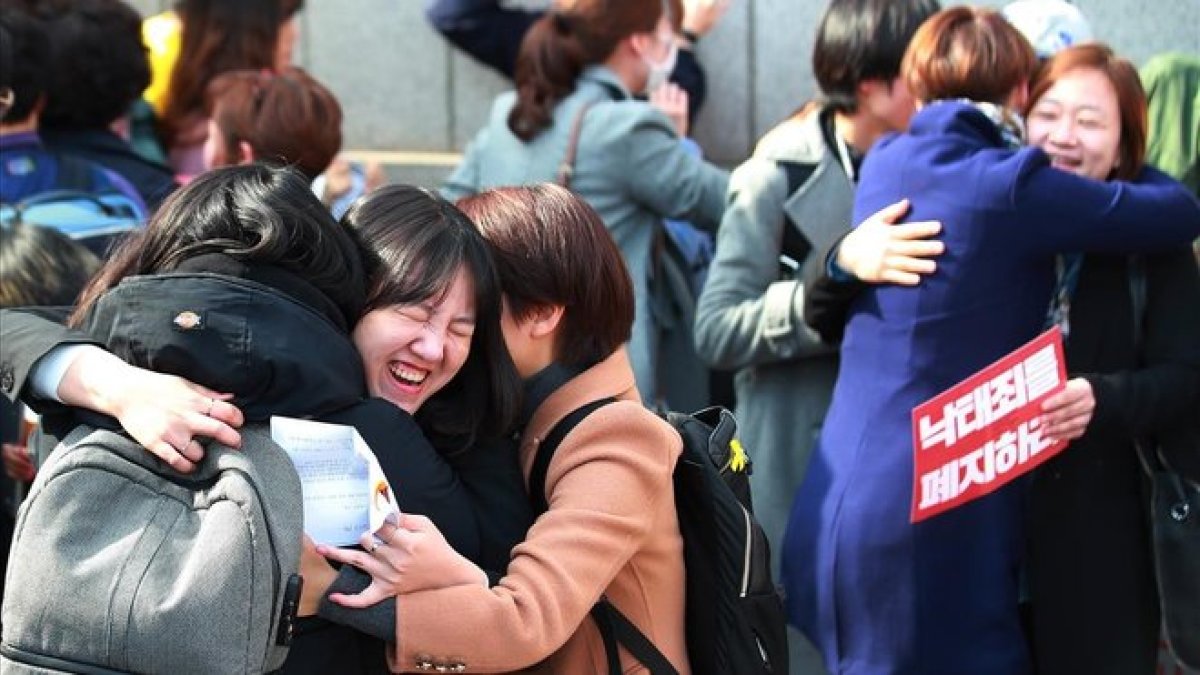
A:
(746, 549)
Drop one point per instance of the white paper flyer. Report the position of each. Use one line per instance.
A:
(346, 494)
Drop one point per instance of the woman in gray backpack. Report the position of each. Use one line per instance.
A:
(263, 287)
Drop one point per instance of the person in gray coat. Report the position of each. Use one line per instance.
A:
(576, 74)
(791, 200)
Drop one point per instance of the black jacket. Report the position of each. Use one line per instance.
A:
(1091, 577)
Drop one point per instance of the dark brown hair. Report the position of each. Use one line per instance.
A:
(218, 36)
(287, 118)
(967, 52)
(551, 248)
(1131, 97)
(568, 38)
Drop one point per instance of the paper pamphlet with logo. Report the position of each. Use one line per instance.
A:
(346, 493)
(984, 432)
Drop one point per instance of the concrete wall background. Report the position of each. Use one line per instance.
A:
(405, 89)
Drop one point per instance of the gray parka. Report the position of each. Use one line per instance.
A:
(630, 166)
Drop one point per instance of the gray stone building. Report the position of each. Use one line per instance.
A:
(413, 101)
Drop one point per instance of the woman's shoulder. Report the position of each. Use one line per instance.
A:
(624, 434)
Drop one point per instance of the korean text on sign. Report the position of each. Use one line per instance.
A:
(984, 432)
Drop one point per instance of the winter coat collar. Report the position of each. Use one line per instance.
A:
(956, 118)
(274, 352)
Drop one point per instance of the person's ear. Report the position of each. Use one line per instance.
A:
(544, 321)
(245, 153)
(1019, 96)
(640, 43)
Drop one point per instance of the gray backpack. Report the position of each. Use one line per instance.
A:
(121, 564)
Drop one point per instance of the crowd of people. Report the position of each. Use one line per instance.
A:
(964, 179)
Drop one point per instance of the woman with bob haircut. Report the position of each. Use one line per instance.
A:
(577, 73)
(568, 310)
(277, 286)
(876, 593)
(1135, 375)
(286, 118)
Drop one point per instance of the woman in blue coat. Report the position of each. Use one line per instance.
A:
(874, 592)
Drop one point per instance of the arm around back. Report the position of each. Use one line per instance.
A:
(26, 335)
(1068, 213)
(606, 488)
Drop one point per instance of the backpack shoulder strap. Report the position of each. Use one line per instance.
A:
(616, 628)
(547, 448)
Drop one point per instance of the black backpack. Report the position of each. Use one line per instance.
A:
(735, 619)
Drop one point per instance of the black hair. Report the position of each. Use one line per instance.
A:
(98, 66)
(256, 214)
(416, 243)
(862, 40)
(30, 53)
(41, 266)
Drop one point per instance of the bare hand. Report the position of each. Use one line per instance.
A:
(338, 179)
(17, 463)
(1066, 415)
(406, 559)
(164, 413)
(672, 100)
(318, 576)
(879, 251)
(700, 16)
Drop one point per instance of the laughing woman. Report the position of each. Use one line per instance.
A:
(610, 528)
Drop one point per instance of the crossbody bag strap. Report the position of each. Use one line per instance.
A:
(566, 169)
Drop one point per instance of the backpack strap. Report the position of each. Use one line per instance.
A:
(614, 627)
(547, 448)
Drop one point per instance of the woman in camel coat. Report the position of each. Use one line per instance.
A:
(611, 529)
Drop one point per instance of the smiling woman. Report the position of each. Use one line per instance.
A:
(433, 314)
(1088, 113)
(1091, 587)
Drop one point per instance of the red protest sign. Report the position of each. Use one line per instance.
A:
(983, 432)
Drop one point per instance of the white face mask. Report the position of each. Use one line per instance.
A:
(660, 71)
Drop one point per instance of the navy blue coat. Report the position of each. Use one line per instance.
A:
(875, 593)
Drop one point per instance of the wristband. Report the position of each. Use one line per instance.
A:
(690, 36)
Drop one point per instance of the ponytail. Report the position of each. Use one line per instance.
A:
(550, 60)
